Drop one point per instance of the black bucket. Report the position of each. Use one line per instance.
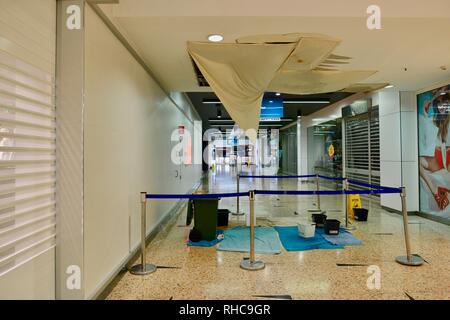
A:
(360, 214)
(319, 219)
(331, 227)
(222, 217)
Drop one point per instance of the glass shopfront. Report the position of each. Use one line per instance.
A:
(325, 148)
(288, 150)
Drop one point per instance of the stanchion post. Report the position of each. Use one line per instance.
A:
(345, 185)
(238, 211)
(143, 268)
(346, 188)
(409, 259)
(318, 189)
(251, 264)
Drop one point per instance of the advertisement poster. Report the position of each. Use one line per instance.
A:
(434, 151)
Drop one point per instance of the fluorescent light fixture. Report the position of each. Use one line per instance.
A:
(262, 120)
(278, 94)
(222, 125)
(285, 102)
(210, 102)
(320, 119)
(306, 101)
(221, 120)
(270, 119)
(215, 37)
(327, 125)
(231, 125)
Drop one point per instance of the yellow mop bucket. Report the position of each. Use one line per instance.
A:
(354, 201)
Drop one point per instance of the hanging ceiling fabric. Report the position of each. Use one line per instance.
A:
(239, 73)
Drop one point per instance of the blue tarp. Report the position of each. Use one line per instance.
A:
(238, 240)
(344, 238)
(293, 242)
(206, 243)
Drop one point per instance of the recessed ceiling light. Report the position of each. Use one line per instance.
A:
(389, 86)
(278, 94)
(215, 37)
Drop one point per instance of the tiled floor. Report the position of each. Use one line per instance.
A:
(205, 273)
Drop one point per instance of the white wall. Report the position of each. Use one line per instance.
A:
(128, 125)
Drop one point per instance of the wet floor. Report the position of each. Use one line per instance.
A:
(205, 273)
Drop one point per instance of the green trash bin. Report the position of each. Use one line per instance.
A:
(205, 217)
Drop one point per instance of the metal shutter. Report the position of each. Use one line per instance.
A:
(362, 144)
(27, 131)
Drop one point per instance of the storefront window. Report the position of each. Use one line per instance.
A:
(325, 148)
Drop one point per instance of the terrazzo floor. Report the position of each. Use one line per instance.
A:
(205, 273)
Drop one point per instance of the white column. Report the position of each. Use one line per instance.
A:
(398, 147)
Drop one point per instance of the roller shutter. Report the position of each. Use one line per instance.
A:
(362, 144)
(27, 131)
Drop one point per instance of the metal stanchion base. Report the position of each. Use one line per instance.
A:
(139, 271)
(252, 266)
(240, 213)
(413, 261)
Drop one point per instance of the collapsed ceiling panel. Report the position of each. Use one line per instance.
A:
(295, 63)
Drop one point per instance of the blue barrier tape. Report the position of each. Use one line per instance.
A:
(277, 177)
(271, 192)
(358, 183)
(326, 192)
(372, 186)
(196, 196)
(296, 192)
(332, 178)
(377, 191)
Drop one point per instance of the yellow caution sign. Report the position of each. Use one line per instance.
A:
(354, 201)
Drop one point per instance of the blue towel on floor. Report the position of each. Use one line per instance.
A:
(206, 243)
(344, 238)
(238, 240)
(293, 242)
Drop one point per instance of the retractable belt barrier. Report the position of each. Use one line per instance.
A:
(278, 177)
(327, 192)
(251, 263)
(196, 196)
